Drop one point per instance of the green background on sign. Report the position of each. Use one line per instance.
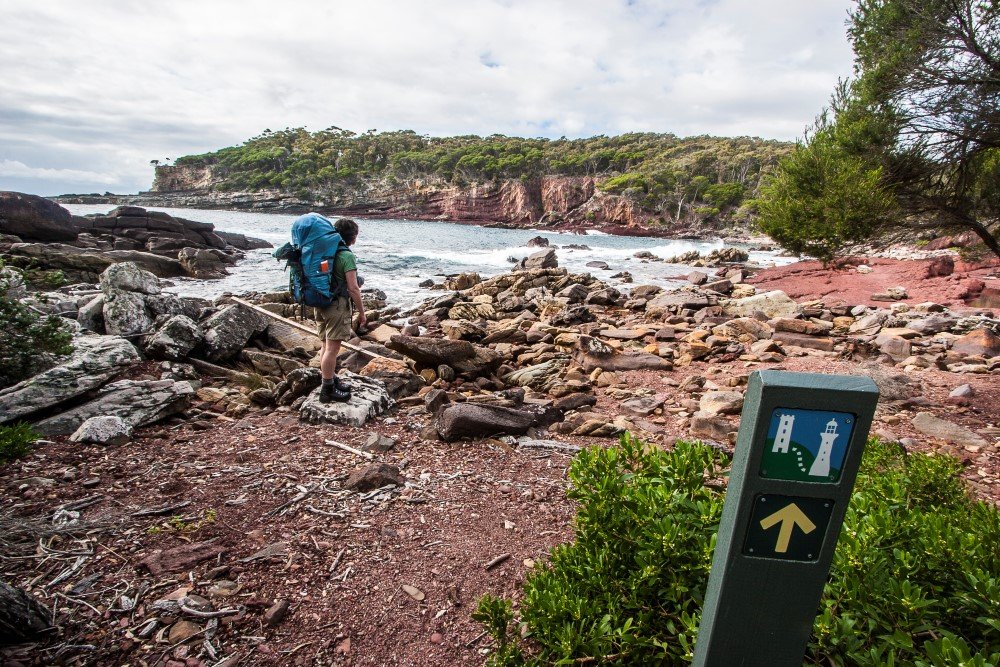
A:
(807, 428)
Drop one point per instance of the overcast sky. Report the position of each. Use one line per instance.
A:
(90, 92)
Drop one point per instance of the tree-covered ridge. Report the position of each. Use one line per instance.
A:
(662, 172)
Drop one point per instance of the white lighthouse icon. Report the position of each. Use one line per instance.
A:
(784, 435)
(821, 466)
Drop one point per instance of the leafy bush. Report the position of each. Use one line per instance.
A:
(27, 340)
(915, 578)
(15, 441)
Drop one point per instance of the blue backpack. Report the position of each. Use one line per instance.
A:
(309, 259)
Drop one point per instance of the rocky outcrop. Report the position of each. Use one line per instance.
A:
(557, 201)
(33, 218)
(136, 402)
(142, 226)
(85, 265)
(83, 246)
(95, 359)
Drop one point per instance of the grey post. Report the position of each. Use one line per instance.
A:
(797, 455)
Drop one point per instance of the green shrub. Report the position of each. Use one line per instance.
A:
(915, 579)
(15, 441)
(27, 340)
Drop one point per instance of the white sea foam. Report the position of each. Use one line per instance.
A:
(396, 255)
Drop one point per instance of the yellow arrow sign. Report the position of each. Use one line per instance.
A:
(789, 516)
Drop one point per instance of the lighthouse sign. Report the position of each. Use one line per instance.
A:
(806, 445)
(797, 456)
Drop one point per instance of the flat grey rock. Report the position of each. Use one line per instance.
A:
(369, 398)
(136, 402)
(94, 361)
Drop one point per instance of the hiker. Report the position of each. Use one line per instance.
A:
(335, 320)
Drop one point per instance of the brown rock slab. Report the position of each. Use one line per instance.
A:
(276, 613)
(374, 476)
(978, 342)
(182, 631)
(803, 340)
(181, 558)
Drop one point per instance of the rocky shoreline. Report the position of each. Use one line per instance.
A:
(215, 498)
(36, 233)
(559, 203)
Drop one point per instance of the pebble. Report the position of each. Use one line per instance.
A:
(437, 638)
(276, 614)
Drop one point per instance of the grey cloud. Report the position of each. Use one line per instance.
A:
(106, 88)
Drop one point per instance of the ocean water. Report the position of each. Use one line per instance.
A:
(396, 255)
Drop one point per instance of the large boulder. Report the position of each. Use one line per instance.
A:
(288, 338)
(175, 339)
(103, 430)
(720, 403)
(227, 332)
(978, 342)
(773, 304)
(538, 375)
(475, 420)
(677, 300)
(34, 218)
(94, 361)
(242, 241)
(369, 398)
(461, 355)
(592, 354)
(136, 402)
(297, 384)
(395, 375)
(936, 427)
(129, 277)
(543, 259)
(125, 314)
(202, 263)
(91, 315)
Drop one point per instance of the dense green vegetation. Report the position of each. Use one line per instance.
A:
(16, 441)
(912, 142)
(28, 341)
(915, 578)
(665, 174)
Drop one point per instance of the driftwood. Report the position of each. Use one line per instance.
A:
(220, 371)
(309, 330)
(22, 618)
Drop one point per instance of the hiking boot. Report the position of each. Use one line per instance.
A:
(329, 393)
(340, 384)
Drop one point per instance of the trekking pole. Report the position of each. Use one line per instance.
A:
(305, 329)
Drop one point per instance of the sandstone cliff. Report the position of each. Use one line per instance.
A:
(559, 202)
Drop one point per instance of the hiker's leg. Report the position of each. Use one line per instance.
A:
(328, 359)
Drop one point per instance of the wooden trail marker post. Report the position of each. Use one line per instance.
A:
(797, 456)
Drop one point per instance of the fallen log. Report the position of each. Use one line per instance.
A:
(309, 330)
(22, 617)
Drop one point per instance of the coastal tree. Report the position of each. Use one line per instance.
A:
(912, 141)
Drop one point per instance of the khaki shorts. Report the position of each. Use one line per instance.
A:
(335, 320)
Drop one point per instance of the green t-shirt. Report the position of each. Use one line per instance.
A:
(344, 262)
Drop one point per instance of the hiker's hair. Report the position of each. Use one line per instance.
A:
(348, 230)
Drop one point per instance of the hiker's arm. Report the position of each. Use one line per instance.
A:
(355, 291)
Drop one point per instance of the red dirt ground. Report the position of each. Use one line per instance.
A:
(809, 280)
